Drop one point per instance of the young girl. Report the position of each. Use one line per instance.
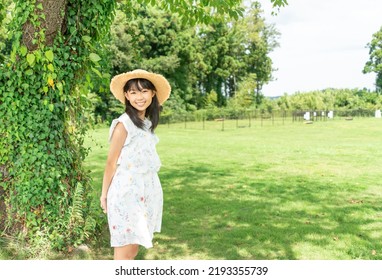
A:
(131, 191)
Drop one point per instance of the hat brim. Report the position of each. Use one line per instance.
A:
(162, 86)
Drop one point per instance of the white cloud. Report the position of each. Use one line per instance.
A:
(322, 44)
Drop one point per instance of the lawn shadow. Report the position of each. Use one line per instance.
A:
(209, 213)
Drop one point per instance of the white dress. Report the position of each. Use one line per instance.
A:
(135, 198)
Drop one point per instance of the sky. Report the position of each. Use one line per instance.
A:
(323, 44)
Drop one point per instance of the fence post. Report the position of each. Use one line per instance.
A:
(284, 117)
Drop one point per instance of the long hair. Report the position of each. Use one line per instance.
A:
(152, 112)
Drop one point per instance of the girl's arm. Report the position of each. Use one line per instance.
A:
(116, 144)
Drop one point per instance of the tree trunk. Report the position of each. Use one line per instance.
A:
(54, 12)
(43, 186)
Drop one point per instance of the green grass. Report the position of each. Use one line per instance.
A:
(271, 191)
(292, 191)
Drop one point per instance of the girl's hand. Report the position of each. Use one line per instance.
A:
(103, 203)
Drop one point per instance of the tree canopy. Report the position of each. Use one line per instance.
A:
(375, 61)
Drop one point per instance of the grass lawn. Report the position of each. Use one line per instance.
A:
(281, 191)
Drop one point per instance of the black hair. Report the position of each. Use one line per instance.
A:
(152, 112)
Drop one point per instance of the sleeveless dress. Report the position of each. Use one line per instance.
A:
(135, 198)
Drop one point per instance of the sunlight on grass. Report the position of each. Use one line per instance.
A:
(290, 191)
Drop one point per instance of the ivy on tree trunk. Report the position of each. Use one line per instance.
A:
(43, 182)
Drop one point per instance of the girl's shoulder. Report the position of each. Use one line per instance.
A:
(125, 120)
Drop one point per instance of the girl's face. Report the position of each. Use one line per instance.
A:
(141, 98)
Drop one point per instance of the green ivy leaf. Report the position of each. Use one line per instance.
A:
(60, 87)
(94, 57)
(49, 55)
(50, 67)
(29, 72)
(72, 30)
(23, 50)
(86, 38)
(97, 72)
(31, 59)
(51, 107)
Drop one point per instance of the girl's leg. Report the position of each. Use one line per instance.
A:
(128, 252)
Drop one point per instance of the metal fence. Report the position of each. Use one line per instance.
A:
(227, 119)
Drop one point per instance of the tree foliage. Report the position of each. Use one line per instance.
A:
(330, 99)
(200, 60)
(375, 62)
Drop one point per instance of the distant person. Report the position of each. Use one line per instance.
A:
(131, 190)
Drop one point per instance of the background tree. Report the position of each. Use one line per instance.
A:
(217, 60)
(237, 51)
(260, 40)
(375, 62)
(245, 95)
(155, 40)
(200, 61)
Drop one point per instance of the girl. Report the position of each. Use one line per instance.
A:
(131, 191)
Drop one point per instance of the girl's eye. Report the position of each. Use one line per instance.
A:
(144, 91)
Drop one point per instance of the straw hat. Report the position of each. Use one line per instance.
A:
(162, 86)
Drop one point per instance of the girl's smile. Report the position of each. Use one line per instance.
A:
(140, 99)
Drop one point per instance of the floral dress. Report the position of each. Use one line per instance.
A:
(135, 198)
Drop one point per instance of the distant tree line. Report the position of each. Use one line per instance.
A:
(329, 99)
(347, 101)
